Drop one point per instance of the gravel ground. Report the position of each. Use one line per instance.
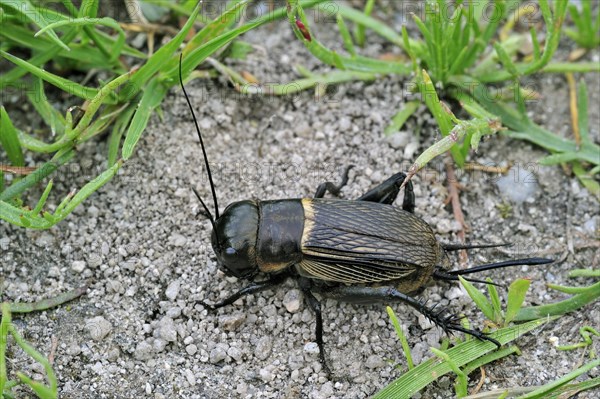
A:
(143, 247)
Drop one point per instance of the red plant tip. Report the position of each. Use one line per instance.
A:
(303, 30)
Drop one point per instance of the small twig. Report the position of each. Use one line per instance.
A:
(53, 347)
(480, 383)
(456, 209)
(573, 106)
(17, 170)
(148, 28)
(488, 169)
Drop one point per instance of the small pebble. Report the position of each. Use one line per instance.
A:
(265, 375)
(178, 240)
(191, 349)
(159, 345)
(263, 348)
(174, 312)
(189, 376)
(143, 351)
(217, 354)
(374, 362)
(291, 300)
(98, 327)
(232, 321)
(78, 266)
(172, 290)
(311, 348)
(518, 185)
(167, 329)
(234, 353)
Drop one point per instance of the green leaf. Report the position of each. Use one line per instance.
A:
(480, 300)
(516, 296)
(495, 300)
(589, 295)
(84, 22)
(430, 370)
(359, 33)
(543, 391)
(239, 50)
(156, 62)
(151, 98)
(26, 10)
(401, 336)
(66, 85)
(348, 44)
(9, 139)
(34, 178)
(401, 117)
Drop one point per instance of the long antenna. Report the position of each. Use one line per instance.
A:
(212, 185)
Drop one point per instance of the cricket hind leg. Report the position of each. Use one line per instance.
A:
(364, 295)
(387, 192)
(333, 188)
(384, 193)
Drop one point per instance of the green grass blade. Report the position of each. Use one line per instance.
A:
(51, 391)
(88, 189)
(490, 357)
(100, 98)
(329, 57)
(480, 300)
(4, 326)
(9, 139)
(38, 59)
(66, 85)
(505, 60)
(548, 388)
(521, 127)
(359, 33)
(495, 301)
(582, 113)
(348, 44)
(516, 296)
(156, 62)
(215, 27)
(27, 11)
(195, 57)
(119, 127)
(40, 389)
(34, 178)
(401, 117)
(460, 385)
(49, 303)
(85, 55)
(590, 294)
(374, 25)
(401, 336)
(37, 98)
(587, 178)
(151, 98)
(86, 21)
(430, 370)
(42, 200)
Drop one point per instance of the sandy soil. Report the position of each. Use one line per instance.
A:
(144, 249)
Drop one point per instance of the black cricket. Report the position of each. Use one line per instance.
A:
(359, 251)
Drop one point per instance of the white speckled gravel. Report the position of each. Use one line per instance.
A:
(145, 250)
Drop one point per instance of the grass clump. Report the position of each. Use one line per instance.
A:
(76, 39)
(471, 53)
